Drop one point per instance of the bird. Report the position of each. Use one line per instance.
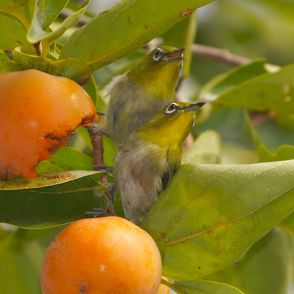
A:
(150, 156)
(137, 95)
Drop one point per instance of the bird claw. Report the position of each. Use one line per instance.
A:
(110, 188)
(108, 169)
(96, 212)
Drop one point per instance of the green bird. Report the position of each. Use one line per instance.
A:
(136, 96)
(149, 157)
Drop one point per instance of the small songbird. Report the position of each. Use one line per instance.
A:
(136, 96)
(150, 156)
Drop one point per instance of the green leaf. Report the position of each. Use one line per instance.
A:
(232, 154)
(183, 35)
(64, 159)
(15, 277)
(6, 63)
(65, 67)
(124, 28)
(206, 149)
(50, 199)
(288, 224)
(272, 135)
(273, 141)
(104, 75)
(83, 139)
(264, 269)
(22, 253)
(15, 17)
(37, 33)
(190, 37)
(226, 121)
(93, 91)
(210, 215)
(283, 152)
(202, 286)
(110, 151)
(273, 91)
(229, 80)
(46, 11)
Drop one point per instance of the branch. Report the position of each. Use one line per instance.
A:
(96, 135)
(218, 54)
(97, 143)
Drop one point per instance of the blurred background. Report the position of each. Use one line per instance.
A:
(250, 28)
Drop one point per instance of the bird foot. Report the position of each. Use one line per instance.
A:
(108, 169)
(97, 212)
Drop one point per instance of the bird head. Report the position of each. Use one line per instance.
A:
(171, 125)
(158, 73)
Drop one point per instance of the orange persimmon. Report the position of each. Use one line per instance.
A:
(102, 255)
(163, 289)
(38, 112)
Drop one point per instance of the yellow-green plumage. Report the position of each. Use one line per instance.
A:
(136, 96)
(150, 156)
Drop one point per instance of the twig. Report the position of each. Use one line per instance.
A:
(218, 54)
(97, 143)
(96, 135)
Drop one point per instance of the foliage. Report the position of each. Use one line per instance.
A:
(226, 217)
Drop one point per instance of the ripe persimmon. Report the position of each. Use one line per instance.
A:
(163, 289)
(102, 255)
(38, 112)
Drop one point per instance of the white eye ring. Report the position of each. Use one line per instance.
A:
(171, 108)
(158, 54)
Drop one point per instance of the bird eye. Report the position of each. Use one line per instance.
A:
(173, 107)
(158, 54)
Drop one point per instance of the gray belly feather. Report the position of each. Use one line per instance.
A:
(138, 176)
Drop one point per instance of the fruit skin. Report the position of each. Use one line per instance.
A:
(38, 112)
(163, 289)
(102, 255)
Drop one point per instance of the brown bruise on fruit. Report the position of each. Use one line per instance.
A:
(55, 141)
(86, 121)
(38, 113)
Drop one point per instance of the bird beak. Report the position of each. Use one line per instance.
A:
(194, 106)
(177, 54)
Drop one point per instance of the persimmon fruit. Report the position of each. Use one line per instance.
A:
(38, 112)
(102, 255)
(163, 289)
